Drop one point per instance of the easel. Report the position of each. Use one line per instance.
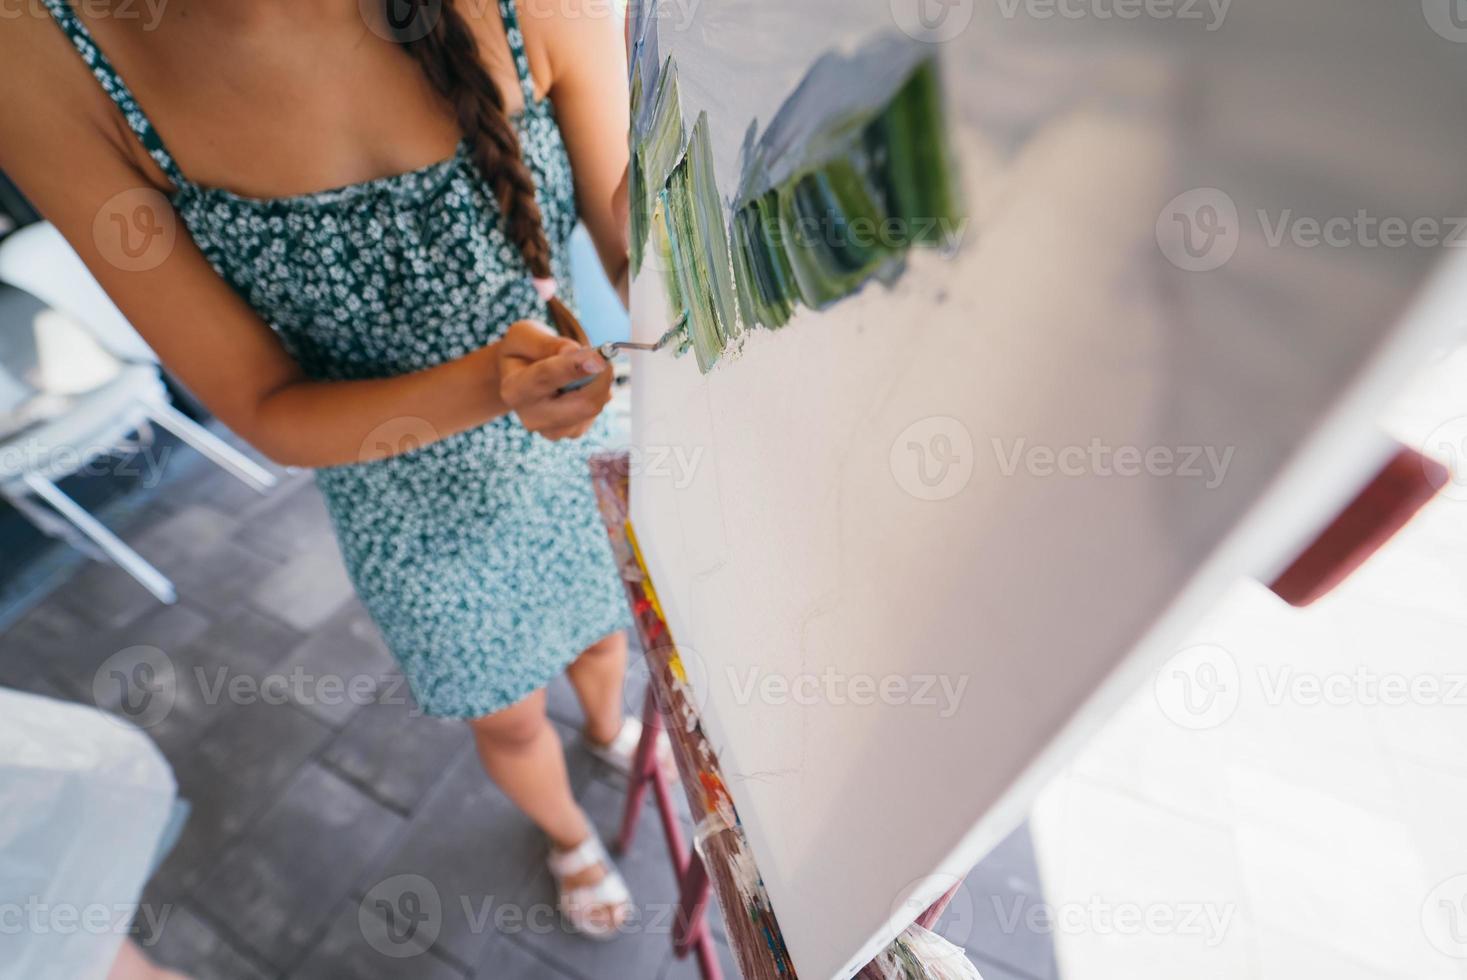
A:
(1400, 489)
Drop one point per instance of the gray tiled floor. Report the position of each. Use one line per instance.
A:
(316, 787)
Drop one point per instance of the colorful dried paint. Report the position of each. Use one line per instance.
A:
(853, 172)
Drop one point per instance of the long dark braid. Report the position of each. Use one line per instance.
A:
(444, 46)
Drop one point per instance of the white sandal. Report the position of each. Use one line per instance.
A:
(580, 905)
(621, 752)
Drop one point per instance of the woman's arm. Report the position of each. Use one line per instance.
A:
(586, 48)
(70, 158)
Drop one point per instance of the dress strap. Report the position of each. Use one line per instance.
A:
(516, 38)
(115, 87)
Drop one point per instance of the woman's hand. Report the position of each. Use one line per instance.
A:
(534, 364)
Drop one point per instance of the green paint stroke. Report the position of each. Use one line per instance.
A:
(852, 173)
(658, 142)
(701, 271)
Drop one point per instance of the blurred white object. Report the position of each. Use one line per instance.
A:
(85, 801)
(38, 260)
(65, 403)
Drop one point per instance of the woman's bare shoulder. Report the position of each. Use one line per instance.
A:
(560, 34)
(49, 100)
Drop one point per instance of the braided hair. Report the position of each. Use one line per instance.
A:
(444, 46)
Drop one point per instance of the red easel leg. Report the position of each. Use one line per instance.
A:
(644, 768)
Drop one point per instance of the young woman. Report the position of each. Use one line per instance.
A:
(337, 222)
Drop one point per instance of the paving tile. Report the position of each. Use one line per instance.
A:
(234, 772)
(509, 960)
(231, 662)
(359, 945)
(105, 596)
(394, 752)
(341, 666)
(308, 589)
(224, 578)
(206, 483)
(30, 649)
(687, 968)
(171, 540)
(644, 949)
(993, 914)
(101, 668)
(278, 886)
(247, 640)
(289, 521)
(190, 944)
(475, 847)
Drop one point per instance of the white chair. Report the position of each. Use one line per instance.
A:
(78, 384)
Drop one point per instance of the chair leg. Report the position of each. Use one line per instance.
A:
(212, 447)
(110, 544)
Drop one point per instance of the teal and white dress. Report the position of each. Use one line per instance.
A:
(481, 557)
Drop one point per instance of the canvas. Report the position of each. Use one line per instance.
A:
(1015, 333)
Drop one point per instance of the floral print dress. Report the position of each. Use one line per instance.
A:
(481, 556)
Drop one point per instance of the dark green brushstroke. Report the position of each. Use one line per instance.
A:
(853, 172)
(701, 268)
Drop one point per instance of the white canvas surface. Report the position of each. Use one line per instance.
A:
(992, 613)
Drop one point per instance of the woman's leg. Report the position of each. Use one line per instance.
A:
(599, 676)
(522, 753)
